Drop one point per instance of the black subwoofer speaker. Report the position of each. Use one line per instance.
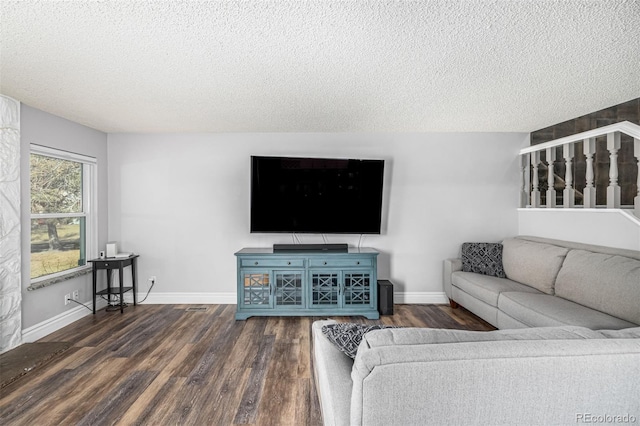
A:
(385, 297)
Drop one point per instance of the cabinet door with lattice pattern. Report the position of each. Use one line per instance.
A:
(357, 288)
(288, 288)
(325, 288)
(256, 289)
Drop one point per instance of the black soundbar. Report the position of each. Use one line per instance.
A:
(340, 247)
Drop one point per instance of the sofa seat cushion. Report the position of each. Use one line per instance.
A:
(603, 282)
(532, 263)
(543, 310)
(486, 288)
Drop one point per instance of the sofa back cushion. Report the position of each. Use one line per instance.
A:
(424, 336)
(532, 263)
(604, 282)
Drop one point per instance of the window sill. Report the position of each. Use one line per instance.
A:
(47, 282)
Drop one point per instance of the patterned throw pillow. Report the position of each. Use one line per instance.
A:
(347, 336)
(483, 258)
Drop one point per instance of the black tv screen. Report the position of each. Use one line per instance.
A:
(316, 195)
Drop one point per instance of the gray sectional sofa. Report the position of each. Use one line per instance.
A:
(551, 283)
(568, 351)
(534, 376)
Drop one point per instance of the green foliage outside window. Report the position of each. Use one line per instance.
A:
(57, 217)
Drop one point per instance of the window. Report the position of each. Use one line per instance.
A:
(63, 213)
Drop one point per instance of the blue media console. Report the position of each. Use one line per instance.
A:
(315, 283)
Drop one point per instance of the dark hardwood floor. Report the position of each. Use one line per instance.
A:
(169, 365)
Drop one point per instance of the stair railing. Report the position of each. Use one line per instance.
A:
(531, 164)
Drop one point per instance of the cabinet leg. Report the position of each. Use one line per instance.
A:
(453, 304)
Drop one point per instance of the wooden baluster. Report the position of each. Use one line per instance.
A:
(535, 192)
(551, 191)
(524, 180)
(613, 190)
(636, 153)
(589, 147)
(569, 194)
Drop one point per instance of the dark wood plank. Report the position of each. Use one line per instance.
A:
(109, 409)
(248, 409)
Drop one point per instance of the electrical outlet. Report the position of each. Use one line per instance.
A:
(75, 295)
(67, 298)
(152, 279)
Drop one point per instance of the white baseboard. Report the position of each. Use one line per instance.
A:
(51, 325)
(44, 328)
(185, 298)
(420, 297)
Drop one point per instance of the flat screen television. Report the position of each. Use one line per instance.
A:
(316, 195)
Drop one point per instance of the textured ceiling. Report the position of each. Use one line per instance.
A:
(320, 66)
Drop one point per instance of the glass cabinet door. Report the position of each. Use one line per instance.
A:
(325, 289)
(357, 288)
(288, 286)
(257, 289)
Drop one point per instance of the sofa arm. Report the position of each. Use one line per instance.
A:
(332, 373)
(450, 266)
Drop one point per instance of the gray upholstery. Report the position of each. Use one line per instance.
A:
(551, 283)
(423, 336)
(498, 383)
(534, 376)
(477, 306)
(450, 266)
(543, 310)
(529, 372)
(531, 263)
(586, 278)
(332, 372)
(485, 287)
(627, 333)
(504, 321)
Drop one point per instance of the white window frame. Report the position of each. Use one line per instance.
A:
(89, 207)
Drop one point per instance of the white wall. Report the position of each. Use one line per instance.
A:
(41, 128)
(182, 202)
(605, 227)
